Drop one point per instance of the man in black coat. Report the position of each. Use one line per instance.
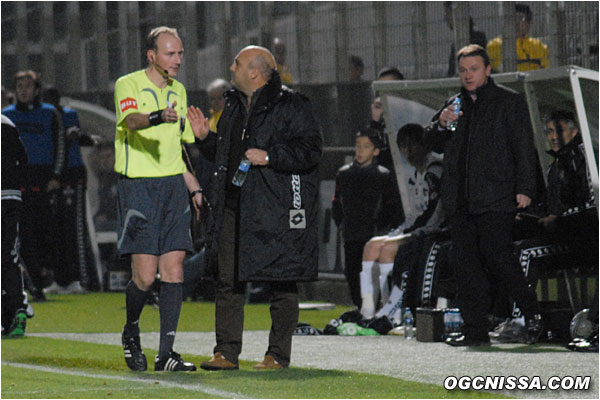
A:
(266, 229)
(489, 173)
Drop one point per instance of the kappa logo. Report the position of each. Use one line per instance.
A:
(128, 103)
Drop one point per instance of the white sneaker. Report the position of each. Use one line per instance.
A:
(54, 288)
(73, 288)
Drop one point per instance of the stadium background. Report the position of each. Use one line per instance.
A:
(84, 47)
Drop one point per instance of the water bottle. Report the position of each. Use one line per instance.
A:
(452, 124)
(447, 323)
(241, 173)
(409, 322)
(452, 322)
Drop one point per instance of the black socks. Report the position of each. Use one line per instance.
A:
(171, 296)
(134, 302)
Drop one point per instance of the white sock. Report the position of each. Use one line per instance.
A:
(385, 270)
(393, 304)
(366, 278)
(368, 291)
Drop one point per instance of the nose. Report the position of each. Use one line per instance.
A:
(231, 67)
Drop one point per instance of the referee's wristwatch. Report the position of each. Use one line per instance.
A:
(267, 158)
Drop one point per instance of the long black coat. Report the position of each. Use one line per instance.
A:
(491, 156)
(281, 122)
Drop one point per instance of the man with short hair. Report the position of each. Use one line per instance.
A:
(76, 267)
(532, 54)
(40, 130)
(153, 204)
(390, 74)
(489, 173)
(264, 229)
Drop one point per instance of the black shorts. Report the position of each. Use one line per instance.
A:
(153, 215)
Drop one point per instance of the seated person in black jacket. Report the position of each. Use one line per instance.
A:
(570, 223)
(366, 202)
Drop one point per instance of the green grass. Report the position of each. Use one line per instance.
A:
(105, 374)
(105, 360)
(105, 313)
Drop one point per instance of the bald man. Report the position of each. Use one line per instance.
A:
(265, 229)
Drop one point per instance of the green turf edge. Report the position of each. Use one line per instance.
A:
(289, 383)
(105, 313)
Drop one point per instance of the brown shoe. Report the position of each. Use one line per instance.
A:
(268, 363)
(218, 363)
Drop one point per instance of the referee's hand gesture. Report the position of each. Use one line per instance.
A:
(169, 114)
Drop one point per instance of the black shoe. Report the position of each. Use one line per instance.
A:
(37, 294)
(134, 355)
(534, 329)
(584, 345)
(173, 363)
(463, 341)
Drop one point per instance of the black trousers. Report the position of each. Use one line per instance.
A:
(484, 260)
(75, 258)
(230, 299)
(13, 295)
(38, 233)
(353, 254)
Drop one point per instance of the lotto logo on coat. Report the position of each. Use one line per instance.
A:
(128, 103)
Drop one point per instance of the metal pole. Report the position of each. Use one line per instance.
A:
(303, 41)
(341, 42)
(266, 23)
(225, 36)
(420, 46)
(555, 16)
(509, 37)
(380, 35)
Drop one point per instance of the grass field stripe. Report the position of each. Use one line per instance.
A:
(104, 388)
(196, 388)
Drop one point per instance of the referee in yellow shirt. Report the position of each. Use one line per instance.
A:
(153, 205)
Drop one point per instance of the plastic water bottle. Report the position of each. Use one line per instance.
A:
(409, 324)
(448, 329)
(241, 173)
(452, 124)
(452, 322)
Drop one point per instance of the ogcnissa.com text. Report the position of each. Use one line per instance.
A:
(517, 382)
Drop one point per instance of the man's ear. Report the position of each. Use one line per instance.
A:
(488, 70)
(151, 56)
(253, 72)
(376, 152)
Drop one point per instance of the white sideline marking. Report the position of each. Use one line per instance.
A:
(197, 388)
